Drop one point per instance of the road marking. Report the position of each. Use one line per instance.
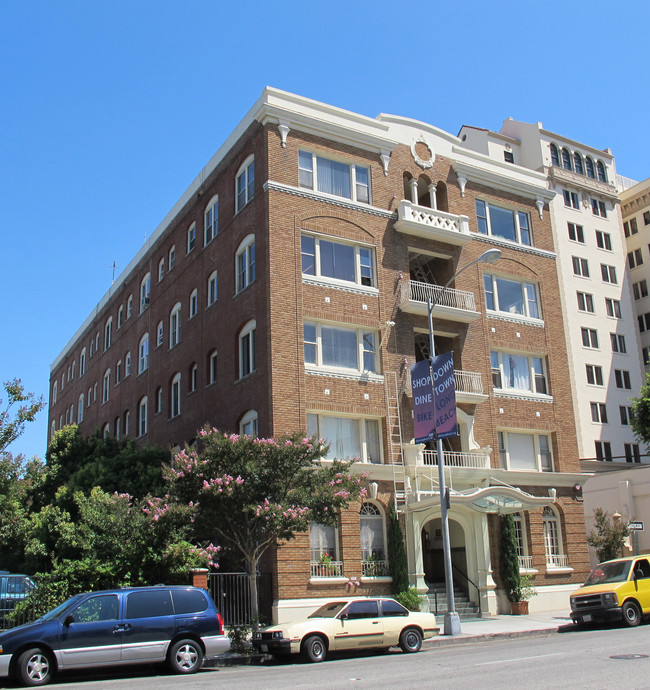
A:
(519, 658)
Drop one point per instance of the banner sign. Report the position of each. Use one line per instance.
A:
(434, 411)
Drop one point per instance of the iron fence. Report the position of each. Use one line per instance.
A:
(231, 594)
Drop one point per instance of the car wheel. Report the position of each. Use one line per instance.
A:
(34, 667)
(185, 656)
(410, 640)
(631, 614)
(314, 649)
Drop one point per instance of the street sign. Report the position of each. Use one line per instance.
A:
(638, 526)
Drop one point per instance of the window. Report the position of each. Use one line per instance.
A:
(194, 373)
(245, 184)
(580, 266)
(639, 289)
(635, 258)
(348, 437)
(55, 390)
(555, 155)
(159, 334)
(577, 163)
(92, 349)
(340, 348)
(145, 292)
(324, 551)
(508, 157)
(212, 367)
(158, 400)
(106, 386)
(571, 199)
(566, 160)
(80, 409)
(171, 257)
(247, 354)
(143, 354)
(590, 338)
(212, 288)
(373, 551)
(618, 343)
(161, 269)
(82, 363)
(511, 296)
(175, 325)
(336, 261)
(626, 414)
(176, 395)
(503, 222)
(594, 375)
(518, 373)
(613, 307)
(622, 378)
(127, 423)
(194, 303)
(602, 173)
(129, 307)
(585, 302)
(643, 319)
(598, 208)
(552, 540)
(127, 364)
(630, 227)
(211, 221)
(598, 413)
(576, 232)
(245, 263)
(632, 452)
(603, 450)
(108, 333)
(333, 177)
(646, 218)
(604, 240)
(645, 354)
(143, 408)
(117, 423)
(520, 451)
(120, 316)
(608, 274)
(191, 237)
(118, 371)
(248, 424)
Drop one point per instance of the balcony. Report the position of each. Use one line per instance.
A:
(432, 224)
(477, 461)
(450, 304)
(326, 569)
(468, 385)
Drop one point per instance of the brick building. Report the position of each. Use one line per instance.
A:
(286, 290)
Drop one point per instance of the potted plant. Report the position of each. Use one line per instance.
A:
(520, 595)
(518, 588)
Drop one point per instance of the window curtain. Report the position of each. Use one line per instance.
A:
(372, 537)
(339, 347)
(322, 539)
(343, 436)
(518, 372)
(333, 177)
(337, 261)
(521, 452)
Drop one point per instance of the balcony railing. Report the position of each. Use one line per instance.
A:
(525, 563)
(331, 569)
(415, 291)
(557, 560)
(374, 568)
(454, 459)
(469, 382)
(431, 223)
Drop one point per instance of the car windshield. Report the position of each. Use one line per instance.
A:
(604, 573)
(61, 608)
(329, 610)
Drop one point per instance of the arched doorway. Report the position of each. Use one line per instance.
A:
(432, 551)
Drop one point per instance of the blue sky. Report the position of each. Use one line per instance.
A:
(110, 109)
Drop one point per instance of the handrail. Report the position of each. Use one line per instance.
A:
(478, 591)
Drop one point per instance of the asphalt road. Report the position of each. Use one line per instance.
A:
(594, 659)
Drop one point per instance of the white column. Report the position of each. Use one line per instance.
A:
(414, 191)
(432, 196)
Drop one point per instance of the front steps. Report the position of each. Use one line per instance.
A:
(465, 608)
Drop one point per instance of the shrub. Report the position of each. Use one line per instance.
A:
(410, 599)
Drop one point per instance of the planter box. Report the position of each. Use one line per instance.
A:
(519, 608)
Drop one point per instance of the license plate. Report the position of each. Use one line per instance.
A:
(586, 618)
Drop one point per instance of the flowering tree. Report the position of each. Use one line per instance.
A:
(253, 493)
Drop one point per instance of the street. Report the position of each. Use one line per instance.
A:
(593, 659)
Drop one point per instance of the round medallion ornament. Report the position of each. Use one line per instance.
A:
(422, 152)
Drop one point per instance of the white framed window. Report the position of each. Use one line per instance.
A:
(585, 302)
(339, 179)
(333, 261)
(129, 307)
(571, 199)
(247, 350)
(212, 288)
(158, 400)
(598, 208)
(161, 269)
(106, 386)
(127, 423)
(632, 452)
(74, 363)
(175, 325)
(244, 184)
(511, 296)
(118, 371)
(594, 375)
(589, 338)
(576, 233)
(525, 451)
(191, 238)
(635, 258)
(53, 428)
(603, 240)
(245, 263)
(80, 409)
(248, 424)
(82, 363)
(622, 378)
(160, 334)
(211, 221)
(338, 347)
(567, 163)
(517, 372)
(127, 364)
(598, 412)
(580, 266)
(194, 303)
(555, 155)
(175, 397)
(108, 333)
(117, 426)
(373, 540)
(555, 557)
(324, 554)
(602, 172)
(348, 437)
(525, 561)
(120, 317)
(171, 262)
(90, 396)
(503, 222)
(106, 430)
(613, 308)
(640, 290)
(626, 414)
(143, 354)
(55, 392)
(145, 292)
(143, 411)
(577, 163)
(194, 374)
(212, 367)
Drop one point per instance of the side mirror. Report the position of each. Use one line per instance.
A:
(68, 620)
(344, 616)
(639, 574)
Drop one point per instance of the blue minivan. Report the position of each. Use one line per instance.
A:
(176, 625)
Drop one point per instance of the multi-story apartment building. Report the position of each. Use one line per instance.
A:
(286, 290)
(595, 289)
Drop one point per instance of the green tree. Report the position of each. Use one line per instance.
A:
(509, 561)
(609, 537)
(12, 418)
(397, 555)
(640, 421)
(253, 493)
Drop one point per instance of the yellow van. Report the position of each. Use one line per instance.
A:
(614, 590)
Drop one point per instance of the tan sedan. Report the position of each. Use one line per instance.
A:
(361, 623)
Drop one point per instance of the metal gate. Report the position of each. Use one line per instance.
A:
(231, 594)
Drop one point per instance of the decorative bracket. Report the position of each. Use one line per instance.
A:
(540, 207)
(284, 129)
(385, 160)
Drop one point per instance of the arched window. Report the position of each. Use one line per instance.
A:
(160, 334)
(602, 173)
(71, 414)
(120, 316)
(566, 159)
(589, 167)
(212, 288)
(161, 269)
(172, 257)
(82, 363)
(212, 367)
(53, 428)
(555, 557)
(555, 155)
(74, 363)
(127, 366)
(108, 333)
(143, 354)
(106, 386)
(117, 427)
(106, 430)
(248, 424)
(158, 400)
(211, 221)
(245, 263)
(324, 551)
(90, 397)
(145, 292)
(193, 378)
(577, 163)
(80, 409)
(194, 303)
(118, 371)
(175, 325)
(175, 395)
(129, 307)
(373, 552)
(191, 237)
(247, 354)
(245, 183)
(127, 423)
(143, 408)
(55, 392)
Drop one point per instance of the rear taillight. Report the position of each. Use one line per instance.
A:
(220, 619)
